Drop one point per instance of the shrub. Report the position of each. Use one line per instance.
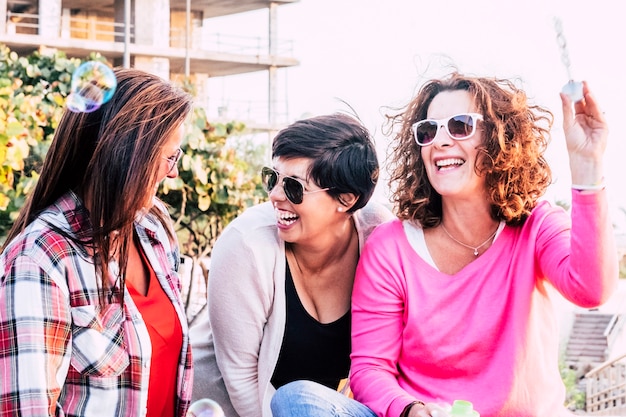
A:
(218, 173)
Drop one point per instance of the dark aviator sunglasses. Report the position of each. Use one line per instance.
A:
(293, 188)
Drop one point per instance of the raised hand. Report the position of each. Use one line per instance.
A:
(586, 132)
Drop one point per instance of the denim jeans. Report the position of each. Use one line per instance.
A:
(310, 399)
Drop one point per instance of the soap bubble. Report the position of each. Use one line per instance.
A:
(93, 84)
(205, 408)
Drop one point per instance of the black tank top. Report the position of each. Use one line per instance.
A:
(311, 350)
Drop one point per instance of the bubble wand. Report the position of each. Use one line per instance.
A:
(574, 89)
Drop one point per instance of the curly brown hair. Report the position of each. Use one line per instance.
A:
(516, 135)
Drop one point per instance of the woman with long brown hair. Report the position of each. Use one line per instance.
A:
(91, 318)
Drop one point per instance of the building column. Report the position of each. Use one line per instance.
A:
(3, 12)
(154, 65)
(66, 25)
(152, 28)
(50, 18)
(152, 22)
(201, 82)
(272, 72)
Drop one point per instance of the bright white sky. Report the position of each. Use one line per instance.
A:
(373, 54)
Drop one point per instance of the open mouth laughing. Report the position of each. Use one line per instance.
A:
(449, 163)
(285, 218)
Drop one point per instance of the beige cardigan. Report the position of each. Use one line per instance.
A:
(236, 344)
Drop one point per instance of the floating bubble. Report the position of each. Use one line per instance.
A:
(93, 84)
(205, 408)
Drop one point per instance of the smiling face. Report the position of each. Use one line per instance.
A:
(450, 164)
(304, 222)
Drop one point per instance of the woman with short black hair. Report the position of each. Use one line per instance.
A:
(281, 274)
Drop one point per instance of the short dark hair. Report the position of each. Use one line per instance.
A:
(341, 150)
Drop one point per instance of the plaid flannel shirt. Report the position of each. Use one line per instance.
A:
(61, 354)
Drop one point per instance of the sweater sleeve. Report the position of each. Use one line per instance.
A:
(377, 325)
(239, 303)
(581, 264)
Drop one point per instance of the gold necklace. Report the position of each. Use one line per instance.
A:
(475, 249)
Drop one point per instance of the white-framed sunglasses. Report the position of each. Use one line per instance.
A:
(459, 127)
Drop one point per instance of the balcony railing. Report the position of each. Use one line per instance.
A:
(606, 388)
(231, 44)
(69, 27)
(74, 27)
(249, 111)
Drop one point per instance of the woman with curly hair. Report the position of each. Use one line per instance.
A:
(451, 301)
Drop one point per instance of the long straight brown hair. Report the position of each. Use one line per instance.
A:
(110, 158)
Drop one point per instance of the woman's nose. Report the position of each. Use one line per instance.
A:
(442, 137)
(174, 172)
(277, 195)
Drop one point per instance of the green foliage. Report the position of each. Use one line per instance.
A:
(218, 172)
(218, 178)
(575, 396)
(32, 93)
(566, 205)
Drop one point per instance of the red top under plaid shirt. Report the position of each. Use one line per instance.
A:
(61, 354)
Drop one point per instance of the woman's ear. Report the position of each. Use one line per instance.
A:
(346, 200)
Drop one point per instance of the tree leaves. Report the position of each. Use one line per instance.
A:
(219, 171)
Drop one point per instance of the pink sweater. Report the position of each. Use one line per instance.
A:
(488, 333)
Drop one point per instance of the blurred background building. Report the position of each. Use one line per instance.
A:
(170, 38)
